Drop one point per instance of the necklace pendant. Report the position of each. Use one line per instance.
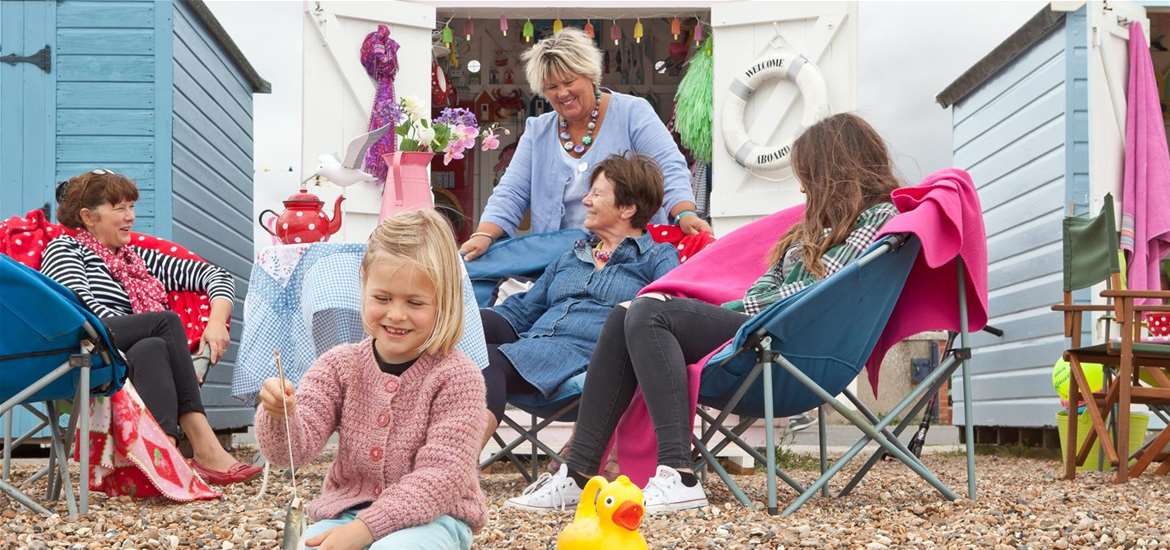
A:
(587, 140)
(568, 146)
(579, 148)
(565, 136)
(591, 125)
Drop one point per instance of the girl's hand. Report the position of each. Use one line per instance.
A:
(693, 225)
(216, 336)
(270, 398)
(351, 536)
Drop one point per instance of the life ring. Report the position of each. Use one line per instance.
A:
(783, 63)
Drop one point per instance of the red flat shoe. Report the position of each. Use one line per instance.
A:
(238, 473)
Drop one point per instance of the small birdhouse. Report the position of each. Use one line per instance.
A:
(485, 107)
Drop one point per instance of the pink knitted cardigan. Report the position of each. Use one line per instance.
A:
(408, 444)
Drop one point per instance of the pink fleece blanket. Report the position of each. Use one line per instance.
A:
(1145, 193)
(943, 211)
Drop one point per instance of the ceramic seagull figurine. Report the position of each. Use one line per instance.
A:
(348, 171)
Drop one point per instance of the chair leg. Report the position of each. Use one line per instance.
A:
(7, 444)
(1070, 455)
(62, 464)
(822, 436)
(878, 454)
(722, 473)
(870, 431)
(1125, 379)
(765, 359)
(968, 404)
(82, 409)
(734, 436)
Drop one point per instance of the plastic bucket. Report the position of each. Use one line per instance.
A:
(1138, 423)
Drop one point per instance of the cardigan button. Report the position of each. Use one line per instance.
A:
(376, 454)
(384, 419)
(391, 385)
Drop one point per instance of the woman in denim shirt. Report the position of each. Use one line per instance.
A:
(539, 339)
(549, 173)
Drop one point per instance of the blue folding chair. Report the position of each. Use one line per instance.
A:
(808, 348)
(527, 256)
(51, 349)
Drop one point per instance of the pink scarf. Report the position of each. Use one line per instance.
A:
(145, 291)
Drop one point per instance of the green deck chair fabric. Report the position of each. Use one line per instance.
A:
(1090, 248)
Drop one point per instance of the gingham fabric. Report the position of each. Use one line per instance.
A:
(789, 276)
(317, 305)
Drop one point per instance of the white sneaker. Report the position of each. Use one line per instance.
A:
(665, 492)
(549, 493)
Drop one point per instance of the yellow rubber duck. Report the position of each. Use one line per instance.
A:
(607, 517)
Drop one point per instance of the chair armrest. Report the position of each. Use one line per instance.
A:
(1163, 294)
(1152, 307)
(1082, 307)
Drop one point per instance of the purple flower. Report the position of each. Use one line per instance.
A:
(456, 115)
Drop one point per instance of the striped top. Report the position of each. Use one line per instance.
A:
(77, 268)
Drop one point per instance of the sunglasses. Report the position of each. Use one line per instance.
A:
(60, 192)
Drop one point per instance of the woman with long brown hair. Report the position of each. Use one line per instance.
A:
(845, 171)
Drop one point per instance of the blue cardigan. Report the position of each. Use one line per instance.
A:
(538, 175)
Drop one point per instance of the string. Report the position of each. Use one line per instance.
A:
(287, 431)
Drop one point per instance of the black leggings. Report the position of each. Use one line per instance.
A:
(650, 345)
(500, 376)
(160, 365)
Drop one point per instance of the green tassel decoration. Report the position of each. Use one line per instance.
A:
(694, 105)
(446, 36)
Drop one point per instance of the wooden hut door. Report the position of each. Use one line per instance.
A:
(27, 86)
(825, 33)
(1108, 59)
(338, 94)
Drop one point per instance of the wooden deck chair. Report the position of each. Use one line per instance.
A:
(1091, 257)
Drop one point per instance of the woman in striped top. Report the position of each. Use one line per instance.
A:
(126, 286)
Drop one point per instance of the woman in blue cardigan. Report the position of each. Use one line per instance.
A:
(549, 172)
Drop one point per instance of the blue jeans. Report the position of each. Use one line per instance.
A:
(445, 533)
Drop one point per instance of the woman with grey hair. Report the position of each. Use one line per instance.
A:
(549, 172)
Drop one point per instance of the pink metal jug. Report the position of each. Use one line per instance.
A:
(408, 185)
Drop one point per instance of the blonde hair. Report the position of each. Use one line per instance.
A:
(570, 51)
(423, 238)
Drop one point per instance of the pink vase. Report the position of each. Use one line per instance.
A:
(408, 184)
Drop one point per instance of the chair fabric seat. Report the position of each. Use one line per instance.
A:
(534, 403)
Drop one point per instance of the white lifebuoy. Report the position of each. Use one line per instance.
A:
(783, 63)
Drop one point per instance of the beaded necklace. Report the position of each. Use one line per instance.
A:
(591, 128)
(600, 254)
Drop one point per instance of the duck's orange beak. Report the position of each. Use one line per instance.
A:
(629, 515)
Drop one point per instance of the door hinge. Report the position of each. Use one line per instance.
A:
(42, 59)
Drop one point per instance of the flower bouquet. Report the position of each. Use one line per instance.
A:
(451, 133)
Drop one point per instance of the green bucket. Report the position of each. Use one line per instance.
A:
(1138, 423)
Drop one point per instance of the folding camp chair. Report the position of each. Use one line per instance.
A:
(808, 348)
(1091, 257)
(51, 349)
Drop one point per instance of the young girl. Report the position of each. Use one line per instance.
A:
(405, 403)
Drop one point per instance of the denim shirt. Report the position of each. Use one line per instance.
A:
(560, 318)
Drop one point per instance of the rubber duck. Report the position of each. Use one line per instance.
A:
(607, 517)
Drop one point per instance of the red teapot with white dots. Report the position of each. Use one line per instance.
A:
(303, 221)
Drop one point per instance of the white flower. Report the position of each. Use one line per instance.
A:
(424, 134)
(413, 108)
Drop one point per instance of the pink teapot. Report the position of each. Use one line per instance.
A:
(303, 220)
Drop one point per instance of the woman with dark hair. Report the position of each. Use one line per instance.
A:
(845, 171)
(126, 286)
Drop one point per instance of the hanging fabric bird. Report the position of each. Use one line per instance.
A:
(448, 36)
(379, 56)
(693, 103)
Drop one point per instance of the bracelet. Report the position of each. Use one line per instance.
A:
(482, 234)
(683, 214)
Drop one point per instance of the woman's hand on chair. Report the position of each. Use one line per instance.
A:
(270, 397)
(216, 336)
(475, 246)
(693, 225)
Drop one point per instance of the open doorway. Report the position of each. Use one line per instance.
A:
(482, 71)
